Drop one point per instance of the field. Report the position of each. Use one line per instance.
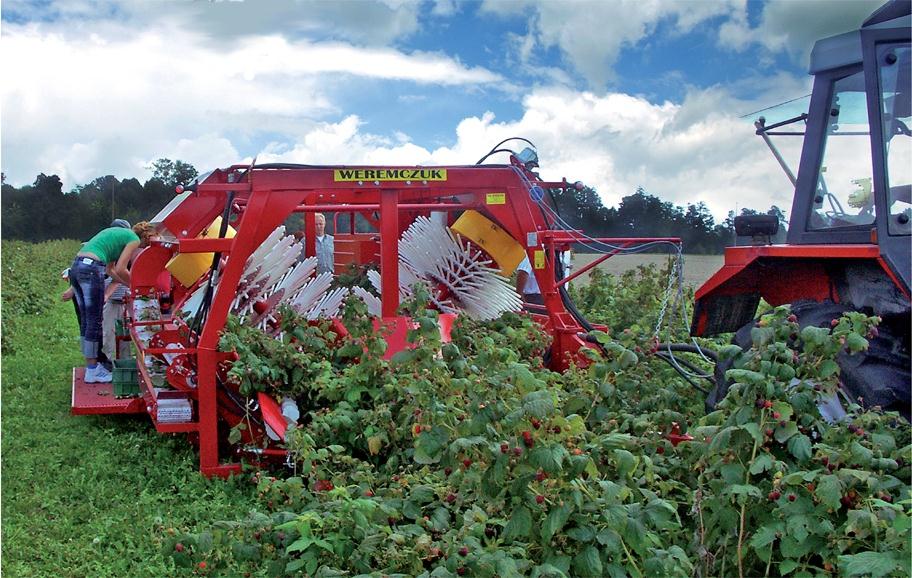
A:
(466, 459)
(697, 268)
(83, 496)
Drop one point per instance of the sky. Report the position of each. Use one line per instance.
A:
(618, 94)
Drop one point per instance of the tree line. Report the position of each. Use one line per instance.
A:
(644, 215)
(43, 211)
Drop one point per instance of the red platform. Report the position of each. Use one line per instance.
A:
(98, 398)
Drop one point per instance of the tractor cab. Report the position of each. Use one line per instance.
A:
(854, 183)
(848, 244)
(855, 177)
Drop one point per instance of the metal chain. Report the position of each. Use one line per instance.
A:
(666, 297)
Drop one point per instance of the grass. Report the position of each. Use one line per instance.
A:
(90, 495)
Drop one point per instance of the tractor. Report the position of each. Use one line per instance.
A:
(848, 245)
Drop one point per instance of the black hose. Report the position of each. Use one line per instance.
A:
(688, 348)
(206, 302)
(680, 371)
(495, 147)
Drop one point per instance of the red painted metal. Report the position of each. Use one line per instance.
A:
(675, 436)
(98, 398)
(738, 258)
(272, 414)
(263, 199)
(782, 274)
(592, 265)
(389, 253)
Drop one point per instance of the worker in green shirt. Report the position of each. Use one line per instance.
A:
(108, 251)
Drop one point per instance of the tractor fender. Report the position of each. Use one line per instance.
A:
(854, 275)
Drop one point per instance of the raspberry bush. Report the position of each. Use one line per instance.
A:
(470, 458)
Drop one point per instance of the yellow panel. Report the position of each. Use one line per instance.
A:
(492, 238)
(187, 268)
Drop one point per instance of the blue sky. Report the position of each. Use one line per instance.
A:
(616, 93)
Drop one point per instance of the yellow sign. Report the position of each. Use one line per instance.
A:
(539, 257)
(417, 174)
(496, 199)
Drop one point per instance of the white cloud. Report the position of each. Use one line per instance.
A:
(91, 105)
(365, 22)
(591, 33)
(615, 143)
(794, 25)
(444, 8)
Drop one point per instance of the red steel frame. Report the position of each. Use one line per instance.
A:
(800, 273)
(263, 197)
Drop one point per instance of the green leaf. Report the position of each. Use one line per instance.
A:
(874, 564)
(547, 571)
(744, 490)
(754, 430)
(626, 462)
(829, 491)
(828, 368)
(581, 533)
(745, 376)
(763, 537)
(628, 359)
(862, 455)
(506, 568)
(791, 547)
(556, 519)
(539, 404)
(800, 447)
(855, 343)
(204, 542)
(440, 519)
(787, 567)
(782, 434)
(245, 552)
(587, 562)
(760, 336)
(520, 524)
(815, 335)
(429, 445)
(549, 458)
(610, 540)
(762, 463)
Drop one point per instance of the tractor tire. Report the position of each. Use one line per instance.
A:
(879, 376)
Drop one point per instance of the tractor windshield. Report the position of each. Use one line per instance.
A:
(896, 113)
(844, 196)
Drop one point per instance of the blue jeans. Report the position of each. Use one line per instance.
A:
(87, 278)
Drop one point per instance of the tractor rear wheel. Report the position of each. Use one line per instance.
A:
(879, 376)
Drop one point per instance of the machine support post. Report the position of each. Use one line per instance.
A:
(208, 411)
(761, 130)
(389, 252)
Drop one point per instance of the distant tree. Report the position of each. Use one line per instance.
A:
(173, 173)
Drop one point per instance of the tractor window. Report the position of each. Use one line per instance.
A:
(844, 195)
(894, 63)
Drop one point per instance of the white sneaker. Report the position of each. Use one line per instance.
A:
(98, 374)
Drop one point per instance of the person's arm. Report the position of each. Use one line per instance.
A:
(110, 289)
(67, 295)
(521, 279)
(119, 272)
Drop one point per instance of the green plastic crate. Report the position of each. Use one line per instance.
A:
(125, 377)
(119, 329)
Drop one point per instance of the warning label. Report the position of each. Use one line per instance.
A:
(496, 199)
(340, 175)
